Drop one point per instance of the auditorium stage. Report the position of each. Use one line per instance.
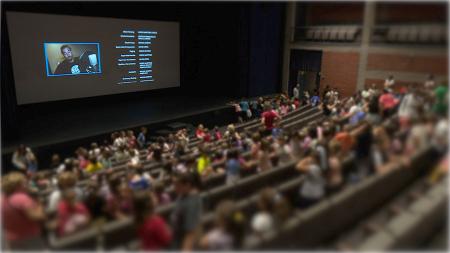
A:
(47, 133)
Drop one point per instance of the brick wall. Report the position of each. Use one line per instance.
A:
(411, 12)
(437, 65)
(335, 13)
(340, 70)
(379, 83)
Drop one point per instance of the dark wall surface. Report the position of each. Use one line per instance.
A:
(227, 50)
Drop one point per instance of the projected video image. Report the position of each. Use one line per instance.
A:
(99, 56)
(72, 58)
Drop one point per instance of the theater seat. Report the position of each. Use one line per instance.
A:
(413, 34)
(252, 242)
(380, 241)
(318, 34)
(250, 206)
(310, 34)
(424, 34)
(166, 210)
(342, 33)
(325, 34)
(86, 240)
(177, 126)
(117, 232)
(351, 33)
(333, 33)
(216, 195)
(392, 34)
(290, 188)
(214, 181)
(310, 231)
(435, 34)
(403, 34)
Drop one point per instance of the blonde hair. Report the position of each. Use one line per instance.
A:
(334, 146)
(66, 179)
(12, 182)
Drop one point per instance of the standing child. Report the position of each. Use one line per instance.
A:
(152, 230)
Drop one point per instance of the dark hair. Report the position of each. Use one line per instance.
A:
(312, 131)
(159, 187)
(113, 182)
(188, 178)
(233, 221)
(157, 154)
(266, 199)
(218, 154)
(232, 154)
(142, 205)
(328, 131)
(160, 140)
(373, 104)
(139, 170)
(93, 159)
(64, 46)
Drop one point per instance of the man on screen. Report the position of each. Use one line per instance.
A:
(70, 65)
(86, 63)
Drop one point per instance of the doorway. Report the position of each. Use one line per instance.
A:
(304, 68)
(308, 80)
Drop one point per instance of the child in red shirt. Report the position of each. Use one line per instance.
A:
(72, 215)
(387, 103)
(268, 118)
(207, 135)
(217, 134)
(200, 132)
(296, 103)
(152, 230)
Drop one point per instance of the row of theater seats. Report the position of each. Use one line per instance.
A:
(253, 125)
(416, 33)
(333, 33)
(414, 221)
(193, 139)
(119, 233)
(172, 128)
(357, 236)
(318, 225)
(290, 121)
(247, 126)
(392, 33)
(293, 119)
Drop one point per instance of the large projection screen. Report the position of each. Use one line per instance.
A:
(57, 57)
